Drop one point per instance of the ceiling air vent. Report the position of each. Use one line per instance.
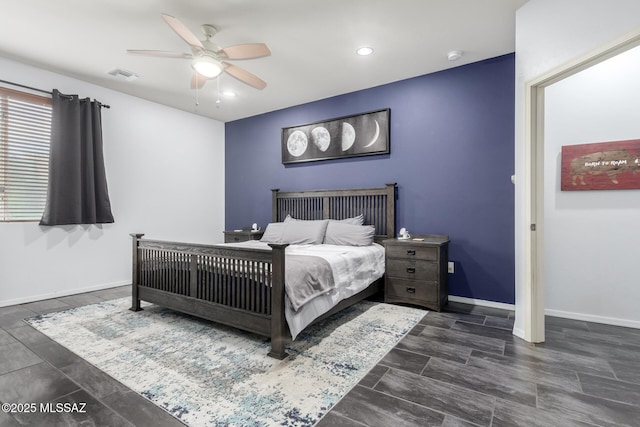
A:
(123, 74)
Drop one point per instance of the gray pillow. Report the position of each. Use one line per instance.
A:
(304, 232)
(273, 233)
(342, 233)
(356, 220)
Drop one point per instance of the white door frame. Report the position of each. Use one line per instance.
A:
(534, 302)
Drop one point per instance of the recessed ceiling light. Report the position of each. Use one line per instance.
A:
(454, 55)
(229, 94)
(364, 51)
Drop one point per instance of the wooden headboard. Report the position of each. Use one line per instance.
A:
(376, 204)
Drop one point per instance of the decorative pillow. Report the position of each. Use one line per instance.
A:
(304, 232)
(342, 233)
(273, 233)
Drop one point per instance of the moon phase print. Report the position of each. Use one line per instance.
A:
(364, 134)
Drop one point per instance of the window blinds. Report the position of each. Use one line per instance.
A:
(25, 124)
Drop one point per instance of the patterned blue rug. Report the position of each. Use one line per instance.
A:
(206, 374)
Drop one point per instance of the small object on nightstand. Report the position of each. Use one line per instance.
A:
(234, 236)
(416, 271)
(403, 234)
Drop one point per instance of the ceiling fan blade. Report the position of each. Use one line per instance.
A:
(197, 80)
(244, 76)
(181, 30)
(160, 53)
(246, 51)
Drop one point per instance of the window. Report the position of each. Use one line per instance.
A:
(25, 125)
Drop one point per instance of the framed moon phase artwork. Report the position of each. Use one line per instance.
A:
(364, 134)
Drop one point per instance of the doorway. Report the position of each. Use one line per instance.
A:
(534, 296)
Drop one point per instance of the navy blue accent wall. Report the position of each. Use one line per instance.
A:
(452, 156)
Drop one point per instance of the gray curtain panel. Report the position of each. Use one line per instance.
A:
(77, 192)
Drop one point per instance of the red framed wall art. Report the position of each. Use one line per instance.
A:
(611, 165)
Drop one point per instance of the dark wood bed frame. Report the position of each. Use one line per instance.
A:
(243, 287)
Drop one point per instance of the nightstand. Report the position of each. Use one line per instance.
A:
(233, 236)
(416, 271)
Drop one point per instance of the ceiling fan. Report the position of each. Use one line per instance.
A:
(208, 60)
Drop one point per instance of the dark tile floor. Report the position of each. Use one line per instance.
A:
(34, 368)
(462, 367)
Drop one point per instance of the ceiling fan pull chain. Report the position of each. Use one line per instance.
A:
(197, 91)
(218, 92)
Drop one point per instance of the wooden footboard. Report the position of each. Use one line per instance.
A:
(239, 287)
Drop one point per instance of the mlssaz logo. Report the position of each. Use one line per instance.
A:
(65, 407)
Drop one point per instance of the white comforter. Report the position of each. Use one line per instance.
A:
(354, 268)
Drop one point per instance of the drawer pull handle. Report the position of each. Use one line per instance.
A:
(411, 270)
(411, 252)
(411, 290)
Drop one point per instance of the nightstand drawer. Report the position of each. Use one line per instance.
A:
(413, 270)
(409, 251)
(411, 291)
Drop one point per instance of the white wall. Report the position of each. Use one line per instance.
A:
(165, 173)
(548, 34)
(591, 237)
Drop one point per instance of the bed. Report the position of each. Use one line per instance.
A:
(243, 285)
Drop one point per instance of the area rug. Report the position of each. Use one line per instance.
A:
(206, 374)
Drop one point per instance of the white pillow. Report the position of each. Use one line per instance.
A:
(342, 233)
(304, 232)
(273, 233)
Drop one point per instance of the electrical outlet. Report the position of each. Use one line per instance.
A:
(451, 267)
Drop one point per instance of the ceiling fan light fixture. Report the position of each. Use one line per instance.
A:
(207, 66)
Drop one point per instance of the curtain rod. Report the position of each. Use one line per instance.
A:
(44, 91)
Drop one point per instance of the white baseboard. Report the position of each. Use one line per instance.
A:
(518, 332)
(64, 293)
(593, 318)
(483, 303)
